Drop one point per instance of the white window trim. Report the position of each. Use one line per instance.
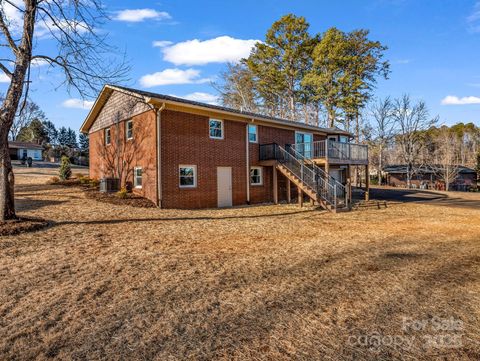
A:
(261, 176)
(109, 135)
(256, 133)
(308, 133)
(194, 175)
(135, 178)
(126, 129)
(222, 128)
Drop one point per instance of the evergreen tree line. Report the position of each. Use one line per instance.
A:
(31, 125)
(322, 79)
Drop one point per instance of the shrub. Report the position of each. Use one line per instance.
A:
(94, 182)
(122, 193)
(65, 168)
(79, 175)
(53, 180)
(84, 180)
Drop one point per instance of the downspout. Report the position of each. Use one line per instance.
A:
(247, 153)
(159, 155)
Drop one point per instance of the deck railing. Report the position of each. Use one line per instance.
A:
(326, 187)
(329, 149)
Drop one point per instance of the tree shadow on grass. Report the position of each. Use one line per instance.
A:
(28, 204)
(176, 219)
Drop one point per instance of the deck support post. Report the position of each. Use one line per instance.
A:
(275, 185)
(300, 197)
(289, 193)
(348, 187)
(367, 184)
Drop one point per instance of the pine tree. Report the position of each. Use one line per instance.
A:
(83, 142)
(280, 62)
(63, 139)
(72, 138)
(35, 132)
(51, 132)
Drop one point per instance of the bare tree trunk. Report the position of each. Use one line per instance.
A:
(380, 164)
(7, 180)
(8, 110)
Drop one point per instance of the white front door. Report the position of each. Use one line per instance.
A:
(224, 186)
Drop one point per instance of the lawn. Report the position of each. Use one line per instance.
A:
(115, 282)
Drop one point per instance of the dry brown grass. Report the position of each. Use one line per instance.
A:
(260, 283)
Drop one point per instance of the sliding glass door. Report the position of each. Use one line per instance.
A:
(304, 144)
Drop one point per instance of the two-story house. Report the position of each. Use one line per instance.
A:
(185, 154)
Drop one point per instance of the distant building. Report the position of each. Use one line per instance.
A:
(20, 150)
(427, 177)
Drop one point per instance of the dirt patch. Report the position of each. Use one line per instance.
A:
(132, 200)
(22, 225)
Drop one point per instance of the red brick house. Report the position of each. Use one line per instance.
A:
(186, 154)
(429, 177)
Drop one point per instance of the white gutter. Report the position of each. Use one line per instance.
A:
(247, 153)
(159, 155)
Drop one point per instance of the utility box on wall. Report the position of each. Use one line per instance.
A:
(108, 185)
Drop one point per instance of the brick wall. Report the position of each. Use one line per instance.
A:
(264, 193)
(137, 152)
(185, 140)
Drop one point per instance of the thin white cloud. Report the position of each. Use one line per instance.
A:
(454, 100)
(36, 63)
(473, 20)
(78, 103)
(403, 61)
(202, 97)
(172, 76)
(218, 50)
(139, 15)
(161, 43)
(4, 78)
(13, 14)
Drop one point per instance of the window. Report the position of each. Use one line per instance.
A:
(107, 136)
(303, 142)
(187, 176)
(343, 139)
(137, 177)
(215, 128)
(252, 133)
(129, 129)
(256, 176)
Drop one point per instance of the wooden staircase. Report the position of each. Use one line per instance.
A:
(309, 191)
(308, 177)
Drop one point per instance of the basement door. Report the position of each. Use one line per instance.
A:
(224, 186)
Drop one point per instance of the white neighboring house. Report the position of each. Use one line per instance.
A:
(19, 150)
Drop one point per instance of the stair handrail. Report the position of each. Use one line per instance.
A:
(329, 179)
(308, 176)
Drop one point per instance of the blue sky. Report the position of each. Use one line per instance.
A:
(179, 47)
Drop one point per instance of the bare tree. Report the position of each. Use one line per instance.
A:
(382, 128)
(28, 112)
(120, 157)
(80, 53)
(412, 119)
(447, 157)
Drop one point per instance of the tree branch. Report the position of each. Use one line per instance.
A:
(6, 71)
(8, 36)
